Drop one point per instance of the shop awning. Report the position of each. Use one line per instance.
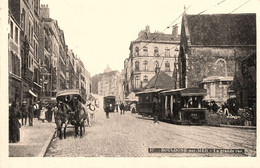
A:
(33, 94)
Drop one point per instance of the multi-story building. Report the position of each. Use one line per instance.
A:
(71, 70)
(94, 83)
(120, 86)
(83, 79)
(14, 61)
(56, 42)
(26, 14)
(88, 83)
(149, 52)
(47, 70)
(111, 83)
(39, 61)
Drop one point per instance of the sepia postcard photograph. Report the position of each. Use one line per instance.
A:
(96, 83)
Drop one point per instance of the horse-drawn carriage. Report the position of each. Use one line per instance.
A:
(70, 110)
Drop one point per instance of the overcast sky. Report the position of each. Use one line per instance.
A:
(100, 31)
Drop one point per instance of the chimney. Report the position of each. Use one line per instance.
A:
(175, 31)
(44, 11)
(147, 29)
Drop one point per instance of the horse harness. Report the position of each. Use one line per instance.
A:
(90, 107)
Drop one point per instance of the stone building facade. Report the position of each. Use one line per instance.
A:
(111, 83)
(148, 52)
(84, 79)
(218, 88)
(55, 42)
(107, 84)
(245, 82)
(71, 75)
(37, 54)
(26, 15)
(14, 61)
(212, 48)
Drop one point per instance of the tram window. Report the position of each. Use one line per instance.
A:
(191, 102)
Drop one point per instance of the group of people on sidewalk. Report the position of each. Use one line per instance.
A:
(18, 115)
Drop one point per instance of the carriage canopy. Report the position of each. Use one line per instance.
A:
(68, 95)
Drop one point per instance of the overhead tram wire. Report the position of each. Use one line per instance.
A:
(154, 38)
(205, 10)
(240, 6)
(192, 17)
(164, 56)
(196, 33)
(181, 22)
(164, 30)
(162, 63)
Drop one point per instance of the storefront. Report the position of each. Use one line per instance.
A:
(15, 84)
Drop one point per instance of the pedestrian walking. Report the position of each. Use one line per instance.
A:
(39, 108)
(122, 108)
(24, 112)
(117, 108)
(35, 110)
(14, 124)
(156, 109)
(43, 113)
(49, 112)
(31, 112)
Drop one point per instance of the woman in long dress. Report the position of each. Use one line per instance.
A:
(42, 114)
(14, 124)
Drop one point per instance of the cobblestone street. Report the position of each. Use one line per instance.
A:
(130, 135)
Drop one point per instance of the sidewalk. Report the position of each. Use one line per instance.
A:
(34, 140)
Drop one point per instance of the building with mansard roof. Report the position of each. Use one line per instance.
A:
(148, 52)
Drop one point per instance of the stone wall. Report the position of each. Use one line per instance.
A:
(213, 61)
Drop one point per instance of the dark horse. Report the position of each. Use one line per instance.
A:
(80, 116)
(62, 115)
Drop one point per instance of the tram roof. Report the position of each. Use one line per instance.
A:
(186, 92)
(109, 97)
(150, 91)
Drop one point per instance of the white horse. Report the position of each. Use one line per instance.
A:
(91, 109)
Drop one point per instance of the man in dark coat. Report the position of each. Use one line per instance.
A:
(24, 112)
(156, 109)
(14, 124)
(117, 108)
(31, 114)
(49, 112)
(121, 108)
(215, 107)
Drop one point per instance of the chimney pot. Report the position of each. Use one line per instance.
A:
(175, 31)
